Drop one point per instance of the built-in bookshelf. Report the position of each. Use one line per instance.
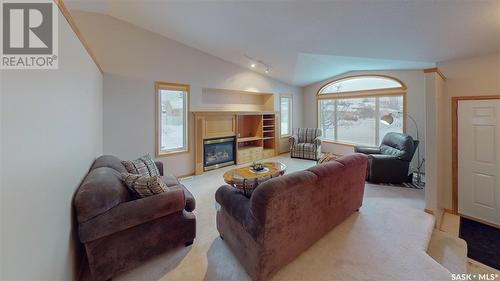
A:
(255, 137)
(254, 133)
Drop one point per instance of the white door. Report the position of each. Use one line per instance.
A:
(479, 159)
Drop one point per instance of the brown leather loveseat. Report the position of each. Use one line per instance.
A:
(287, 214)
(120, 232)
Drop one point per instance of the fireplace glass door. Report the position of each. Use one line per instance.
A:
(218, 153)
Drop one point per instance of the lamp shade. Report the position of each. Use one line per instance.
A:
(387, 119)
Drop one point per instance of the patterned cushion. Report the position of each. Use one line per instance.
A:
(144, 186)
(327, 157)
(143, 166)
(307, 135)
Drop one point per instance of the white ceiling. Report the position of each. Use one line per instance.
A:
(309, 41)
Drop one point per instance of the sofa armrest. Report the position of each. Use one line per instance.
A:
(233, 202)
(317, 141)
(159, 164)
(367, 150)
(293, 140)
(132, 213)
(237, 206)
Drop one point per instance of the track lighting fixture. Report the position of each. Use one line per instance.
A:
(254, 62)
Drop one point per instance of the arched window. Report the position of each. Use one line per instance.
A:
(350, 108)
(361, 83)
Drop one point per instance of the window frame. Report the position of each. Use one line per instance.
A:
(159, 85)
(374, 93)
(290, 115)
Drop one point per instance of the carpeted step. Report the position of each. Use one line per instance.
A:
(449, 251)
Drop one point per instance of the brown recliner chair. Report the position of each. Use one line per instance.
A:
(120, 232)
(390, 163)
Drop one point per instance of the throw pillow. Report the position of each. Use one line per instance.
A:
(143, 166)
(327, 157)
(144, 186)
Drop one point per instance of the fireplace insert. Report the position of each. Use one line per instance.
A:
(218, 153)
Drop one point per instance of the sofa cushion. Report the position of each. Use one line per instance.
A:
(132, 213)
(143, 186)
(101, 190)
(143, 166)
(327, 157)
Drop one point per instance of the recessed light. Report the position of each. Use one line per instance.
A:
(252, 65)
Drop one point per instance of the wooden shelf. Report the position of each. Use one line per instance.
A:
(268, 138)
(248, 139)
(250, 147)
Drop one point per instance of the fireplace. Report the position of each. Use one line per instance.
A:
(218, 153)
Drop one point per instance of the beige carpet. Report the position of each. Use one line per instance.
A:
(386, 240)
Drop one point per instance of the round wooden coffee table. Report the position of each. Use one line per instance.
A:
(246, 180)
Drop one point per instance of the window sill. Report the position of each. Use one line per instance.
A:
(338, 143)
(171, 153)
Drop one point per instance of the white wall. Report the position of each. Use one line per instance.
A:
(51, 131)
(476, 76)
(133, 59)
(434, 97)
(415, 102)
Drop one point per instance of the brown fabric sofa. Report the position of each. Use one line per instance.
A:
(120, 232)
(287, 214)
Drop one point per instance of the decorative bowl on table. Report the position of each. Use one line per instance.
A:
(257, 166)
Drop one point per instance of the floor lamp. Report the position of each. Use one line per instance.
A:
(388, 119)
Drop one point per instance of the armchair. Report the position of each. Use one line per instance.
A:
(305, 143)
(390, 162)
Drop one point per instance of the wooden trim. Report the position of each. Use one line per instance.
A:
(442, 219)
(172, 86)
(454, 145)
(338, 143)
(228, 112)
(449, 211)
(290, 117)
(480, 221)
(362, 94)
(403, 86)
(75, 29)
(429, 211)
(436, 70)
(186, 176)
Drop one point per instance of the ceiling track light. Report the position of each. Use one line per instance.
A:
(254, 62)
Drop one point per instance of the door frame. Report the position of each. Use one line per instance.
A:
(454, 144)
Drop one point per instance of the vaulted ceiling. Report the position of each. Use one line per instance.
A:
(308, 41)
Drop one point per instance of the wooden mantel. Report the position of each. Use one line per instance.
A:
(255, 132)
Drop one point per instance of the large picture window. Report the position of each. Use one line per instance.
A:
(354, 118)
(172, 102)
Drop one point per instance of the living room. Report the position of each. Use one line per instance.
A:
(250, 140)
